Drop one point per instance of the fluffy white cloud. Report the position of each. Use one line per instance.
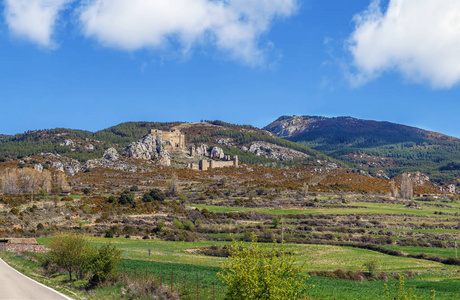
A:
(419, 38)
(233, 26)
(34, 19)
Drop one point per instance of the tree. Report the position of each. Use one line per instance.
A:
(275, 222)
(173, 185)
(256, 272)
(61, 182)
(394, 189)
(372, 265)
(10, 184)
(70, 252)
(406, 186)
(75, 254)
(305, 190)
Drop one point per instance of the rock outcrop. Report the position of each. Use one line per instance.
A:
(418, 178)
(38, 167)
(217, 152)
(70, 166)
(68, 143)
(111, 154)
(275, 152)
(202, 150)
(148, 148)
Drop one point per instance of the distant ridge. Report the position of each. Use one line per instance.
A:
(374, 145)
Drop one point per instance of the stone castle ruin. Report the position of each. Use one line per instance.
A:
(218, 159)
(173, 140)
(158, 145)
(21, 245)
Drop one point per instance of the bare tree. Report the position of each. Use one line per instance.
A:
(10, 184)
(45, 182)
(173, 185)
(27, 180)
(305, 189)
(394, 189)
(406, 186)
(61, 183)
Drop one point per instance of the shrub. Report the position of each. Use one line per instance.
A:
(178, 224)
(126, 197)
(134, 188)
(154, 194)
(402, 294)
(111, 199)
(104, 264)
(160, 225)
(371, 266)
(188, 225)
(258, 273)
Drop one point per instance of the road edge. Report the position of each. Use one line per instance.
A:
(41, 284)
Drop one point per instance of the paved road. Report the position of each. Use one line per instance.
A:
(14, 285)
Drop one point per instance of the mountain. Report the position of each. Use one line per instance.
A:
(374, 145)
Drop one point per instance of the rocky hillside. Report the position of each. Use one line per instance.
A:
(374, 145)
(125, 146)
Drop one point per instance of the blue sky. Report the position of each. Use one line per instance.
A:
(94, 64)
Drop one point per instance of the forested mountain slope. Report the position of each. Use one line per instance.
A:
(375, 145)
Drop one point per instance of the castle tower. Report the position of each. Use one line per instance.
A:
(204, 165)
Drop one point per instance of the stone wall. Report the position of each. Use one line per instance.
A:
(21, 245)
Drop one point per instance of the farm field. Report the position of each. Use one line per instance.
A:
(355, 208)
(331, 233)
(169, 257)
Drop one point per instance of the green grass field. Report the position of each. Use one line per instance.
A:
(364, 208)
(177, 257)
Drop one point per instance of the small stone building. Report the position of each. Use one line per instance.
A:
(21, 245)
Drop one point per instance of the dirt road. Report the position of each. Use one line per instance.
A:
(14, 285)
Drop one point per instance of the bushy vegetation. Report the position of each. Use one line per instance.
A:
(74, 254)
(256, 273)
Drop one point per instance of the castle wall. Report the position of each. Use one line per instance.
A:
(221, 164)
(212, 164)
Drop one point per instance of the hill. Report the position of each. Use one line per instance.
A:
(374, 145)
(252, 145)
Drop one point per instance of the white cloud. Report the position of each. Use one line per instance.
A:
(419, 38)
(34, 20)
(233, 26)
